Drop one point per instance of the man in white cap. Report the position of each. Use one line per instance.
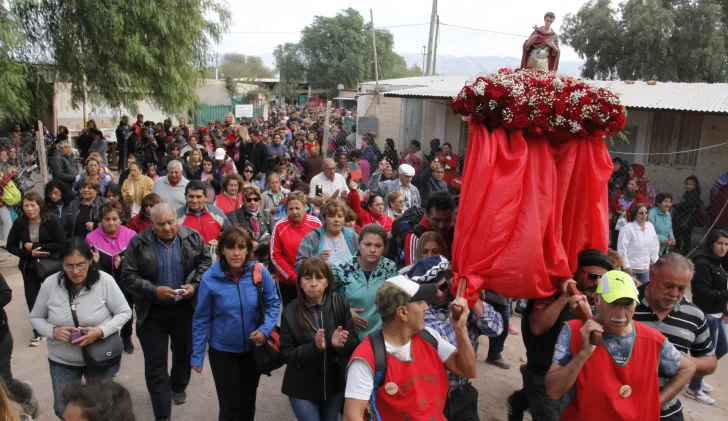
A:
(404, 185)
(617, 379)
(402, 368)
(224, 164)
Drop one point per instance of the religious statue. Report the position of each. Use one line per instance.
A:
(541, 50)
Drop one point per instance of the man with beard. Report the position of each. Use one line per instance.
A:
(462, 397)
(664, 307)
(541, 324)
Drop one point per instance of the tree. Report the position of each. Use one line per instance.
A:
(666, 40)
(124, 50)
(338, 50)
(13, 99)
(240, 66)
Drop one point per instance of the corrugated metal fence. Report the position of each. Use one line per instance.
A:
(205, 112)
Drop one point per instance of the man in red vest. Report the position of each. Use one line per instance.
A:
(415, 384)
(617, 379)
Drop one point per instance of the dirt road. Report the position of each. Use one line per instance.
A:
(494, 384)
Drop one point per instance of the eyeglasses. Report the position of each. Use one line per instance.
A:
(642, 213)
(377, 204)
(591, 276)
(252, 199)
(72, 268)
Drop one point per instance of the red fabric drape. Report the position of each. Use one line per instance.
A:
(532, 205)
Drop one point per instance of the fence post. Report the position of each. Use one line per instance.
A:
(41, 147)
(327, 127)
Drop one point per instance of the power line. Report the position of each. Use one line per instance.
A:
(296, 32)
(484, 30)
(670, 153)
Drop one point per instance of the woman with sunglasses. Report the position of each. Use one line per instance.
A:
(249, 176)
(359, 277)
(255, 221)
(373, 214)
(638, 244)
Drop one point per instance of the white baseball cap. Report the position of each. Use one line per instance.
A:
(220, 154)
(407, 170)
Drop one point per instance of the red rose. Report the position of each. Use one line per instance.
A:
(595, 118)
(521, 121)
(544, 108)
(604, 109)
(560, 107)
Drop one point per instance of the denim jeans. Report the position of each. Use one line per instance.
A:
(644, 278)
(496, 345)
(719, 337)
(63, 375)
(327, 410)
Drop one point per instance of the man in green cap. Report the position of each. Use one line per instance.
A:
(618, 378)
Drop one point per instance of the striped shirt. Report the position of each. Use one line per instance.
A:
(684, 327)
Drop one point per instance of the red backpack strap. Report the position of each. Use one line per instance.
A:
(258, 275)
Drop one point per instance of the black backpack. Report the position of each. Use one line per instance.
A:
(380, 354)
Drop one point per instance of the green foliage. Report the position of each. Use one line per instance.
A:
(338, 50)
(127, 50)
(677, 41)
(254, 93)
(13, 95)
(240, 66)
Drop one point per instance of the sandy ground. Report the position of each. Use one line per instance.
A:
(493, 384)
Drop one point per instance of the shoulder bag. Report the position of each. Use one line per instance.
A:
(268, 356)
(104, 352)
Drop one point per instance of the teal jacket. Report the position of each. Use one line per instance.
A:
(663, 226)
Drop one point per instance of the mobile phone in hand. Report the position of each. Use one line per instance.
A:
(319, 190)
(77, 335)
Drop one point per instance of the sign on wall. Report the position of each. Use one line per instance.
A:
(244, 110)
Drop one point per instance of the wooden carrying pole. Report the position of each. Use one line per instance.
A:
(42, 159)
(585, 313)
(327, 127)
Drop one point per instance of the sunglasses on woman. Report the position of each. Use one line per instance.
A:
(252, 199)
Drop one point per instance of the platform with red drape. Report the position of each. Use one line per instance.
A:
(533, 204)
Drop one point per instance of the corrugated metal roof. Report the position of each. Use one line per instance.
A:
(698, 97)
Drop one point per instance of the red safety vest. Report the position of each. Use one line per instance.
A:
(608, 391)
(421, 384)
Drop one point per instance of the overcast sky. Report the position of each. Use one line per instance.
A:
(290, 16)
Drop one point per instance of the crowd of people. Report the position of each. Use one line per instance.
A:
(211, 235)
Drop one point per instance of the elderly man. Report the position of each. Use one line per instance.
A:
(404, 185)
(462, 398)
(414, 385)
(171, 187)
(541, 323)
(206, 219)
(329, 183)
(617, 379)
(162, 268)
(63, 166)
(664, 307)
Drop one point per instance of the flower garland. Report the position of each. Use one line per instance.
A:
(541, 102)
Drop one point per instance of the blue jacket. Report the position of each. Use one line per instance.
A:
(663, 226)
(223, 307)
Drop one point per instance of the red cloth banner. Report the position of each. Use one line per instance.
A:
(529, 205)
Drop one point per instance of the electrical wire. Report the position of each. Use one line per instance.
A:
(484, 30)
(296, 32)
(670, 153)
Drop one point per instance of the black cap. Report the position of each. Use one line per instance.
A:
(595, 257)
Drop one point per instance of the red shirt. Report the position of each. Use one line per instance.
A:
(228, 204)
(601, 381)
(364, 217)
(284, 244)
(206, 224)
(422, 383)
(138, 225)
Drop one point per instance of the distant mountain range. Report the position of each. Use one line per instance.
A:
(451, 65)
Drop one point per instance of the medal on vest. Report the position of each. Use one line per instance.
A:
(391, 388)
(625, 391)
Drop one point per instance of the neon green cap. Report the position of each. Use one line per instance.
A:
(616, 284)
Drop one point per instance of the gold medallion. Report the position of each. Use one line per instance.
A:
(391, 388)
(625, 391)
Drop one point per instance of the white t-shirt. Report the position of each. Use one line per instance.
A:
(329, 187)
(360, 377)
(339, 249)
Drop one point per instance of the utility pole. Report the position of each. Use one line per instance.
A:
(437, 41)
(424, 54)
(376, 62)
(431, 41)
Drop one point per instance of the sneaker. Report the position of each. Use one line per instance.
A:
(500, 363)
(179, 398)
(700, 397)
(513, 330)
(515, 412)
(117, 368)
(707, 388)
(128, 346)
(36, 341)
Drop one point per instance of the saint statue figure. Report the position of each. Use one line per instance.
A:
(541, 50)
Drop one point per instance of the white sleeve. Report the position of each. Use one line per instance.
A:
(359, 380)
(444, 348)
(312, 190)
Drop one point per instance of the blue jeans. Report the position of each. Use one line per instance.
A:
(496, 345)
(719, 337)
(644, 278)
(327, 410)
(63, 375)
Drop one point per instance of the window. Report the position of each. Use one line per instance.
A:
(672, 132)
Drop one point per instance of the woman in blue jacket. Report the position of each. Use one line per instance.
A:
(228, 319)
(662, 220)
